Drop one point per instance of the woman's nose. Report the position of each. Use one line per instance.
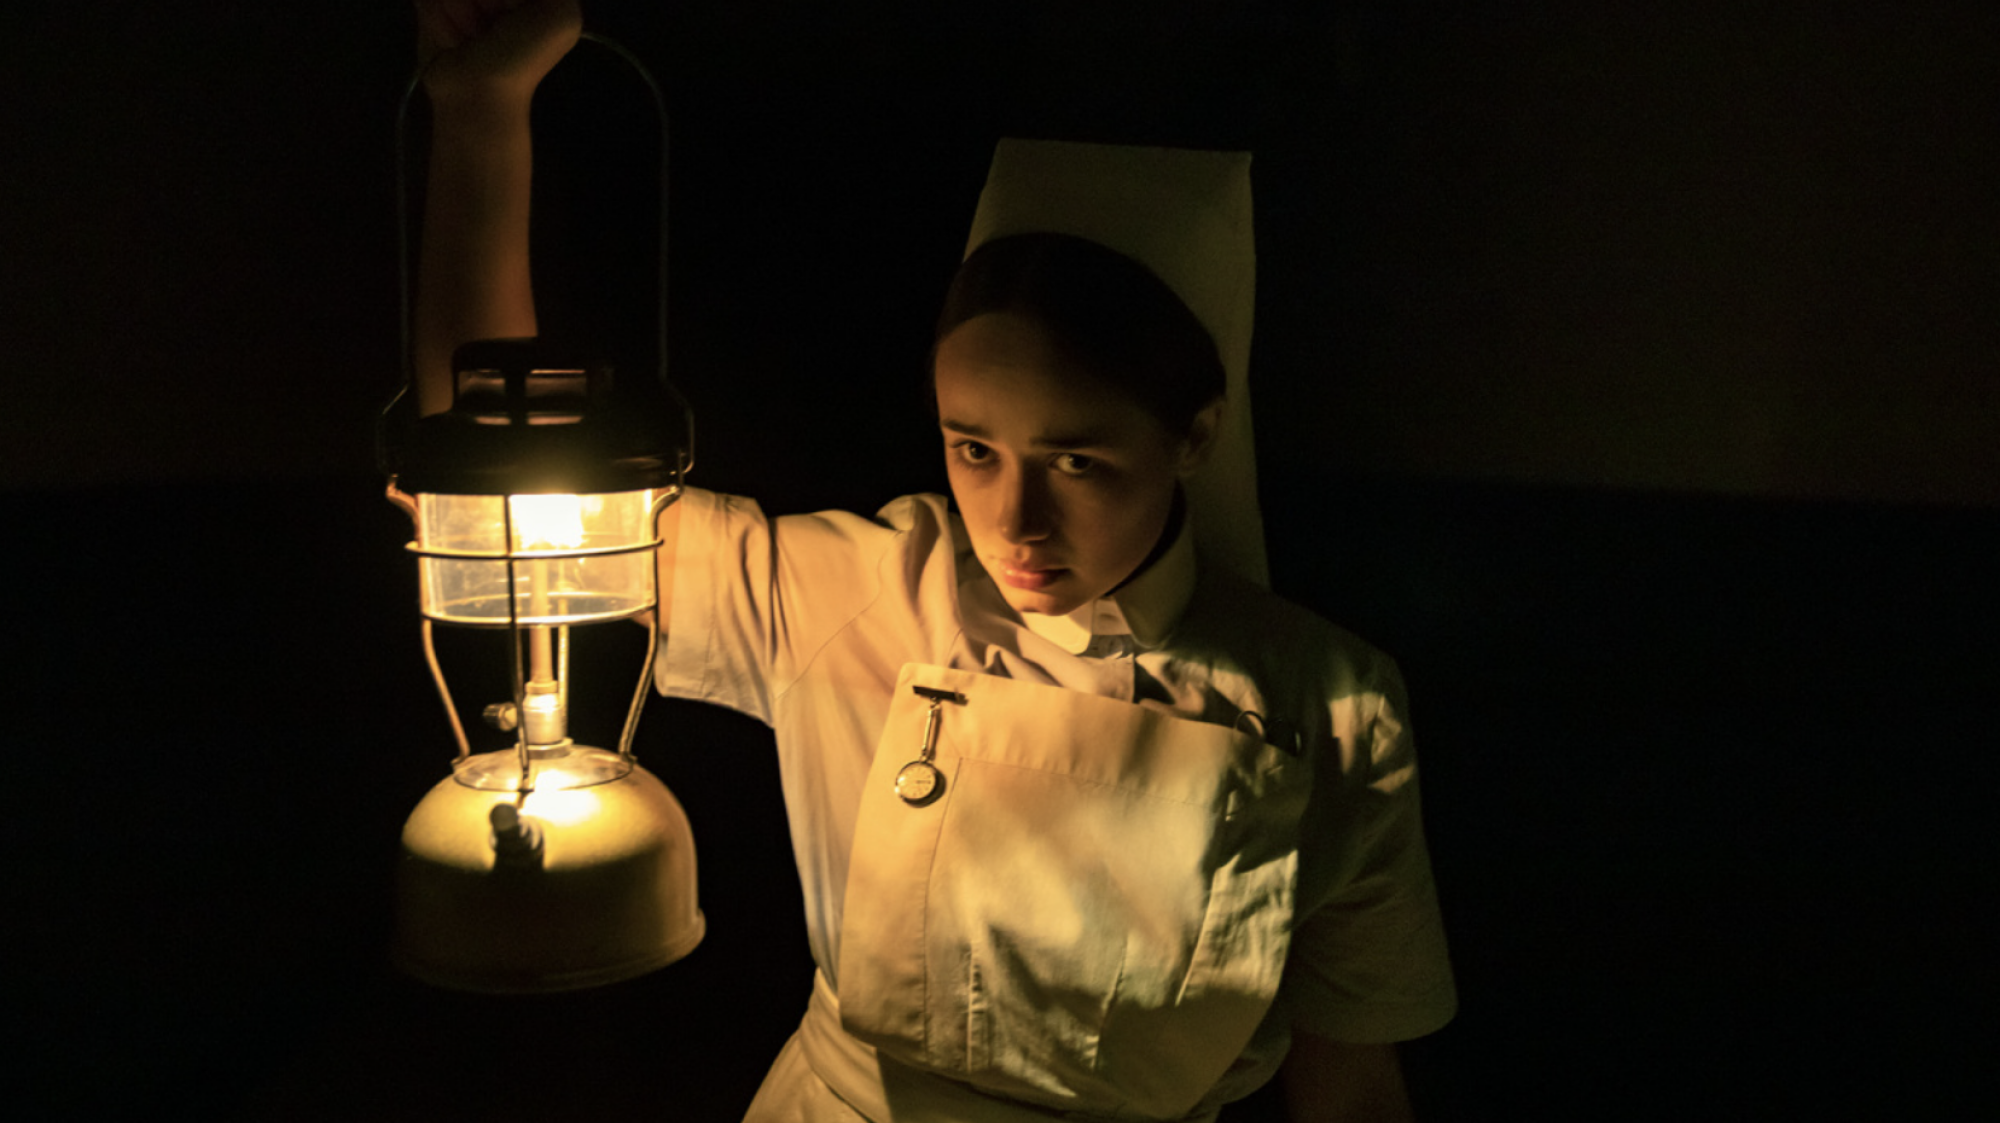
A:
(1025, 514)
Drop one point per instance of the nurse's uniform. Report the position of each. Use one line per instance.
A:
(1083, 867)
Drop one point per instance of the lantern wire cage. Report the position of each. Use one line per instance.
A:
(551, 865)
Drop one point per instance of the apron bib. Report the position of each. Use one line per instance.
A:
(1084, 903)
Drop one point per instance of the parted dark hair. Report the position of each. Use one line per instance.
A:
(1105, 311)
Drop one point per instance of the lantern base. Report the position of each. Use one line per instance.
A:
(573, 889)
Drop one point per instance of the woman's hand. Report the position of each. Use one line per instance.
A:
(492, 53)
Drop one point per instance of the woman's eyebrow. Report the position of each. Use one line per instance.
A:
(1088, 438)
(1085, 438)
(965, 427)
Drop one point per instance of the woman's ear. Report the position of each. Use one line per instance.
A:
(1201, 435)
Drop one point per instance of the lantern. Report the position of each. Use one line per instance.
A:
(549, 864)
(546, 864)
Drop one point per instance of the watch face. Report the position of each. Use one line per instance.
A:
(919, 783)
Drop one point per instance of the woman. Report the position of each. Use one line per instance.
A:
(1088, 827)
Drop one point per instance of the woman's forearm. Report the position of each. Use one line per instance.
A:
(472, 271)
(482, 61)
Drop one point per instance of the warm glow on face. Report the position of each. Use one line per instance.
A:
(546, 522)
(1064, 483)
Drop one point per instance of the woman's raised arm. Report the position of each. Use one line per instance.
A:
(483, 60)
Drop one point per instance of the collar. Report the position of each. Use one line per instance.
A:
(1146, 608)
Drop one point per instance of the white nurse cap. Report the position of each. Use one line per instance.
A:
(1186, 215)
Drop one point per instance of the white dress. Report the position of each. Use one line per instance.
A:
(1170, 827)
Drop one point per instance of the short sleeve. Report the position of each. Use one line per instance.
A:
(755, 598)
(1368, 961)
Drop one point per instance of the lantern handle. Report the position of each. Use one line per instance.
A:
(403, 239)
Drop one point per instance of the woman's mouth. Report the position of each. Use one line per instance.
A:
(1029, 578)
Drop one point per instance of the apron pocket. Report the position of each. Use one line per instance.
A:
(1091, 916)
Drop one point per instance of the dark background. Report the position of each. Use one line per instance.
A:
(1629, 377)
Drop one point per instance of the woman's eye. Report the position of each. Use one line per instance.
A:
(972, 452)
(1075, 464)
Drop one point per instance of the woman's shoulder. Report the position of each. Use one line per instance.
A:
(838, 555)
(909, 525)
(919, 511)
(1273, 637)
(916, 513)
(921, 515)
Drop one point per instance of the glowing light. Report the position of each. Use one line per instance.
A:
(562, 808)
(549, 521)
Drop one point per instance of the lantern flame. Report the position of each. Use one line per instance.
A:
(548, 521)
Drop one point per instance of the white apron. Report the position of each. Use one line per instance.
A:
(1091, 916)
